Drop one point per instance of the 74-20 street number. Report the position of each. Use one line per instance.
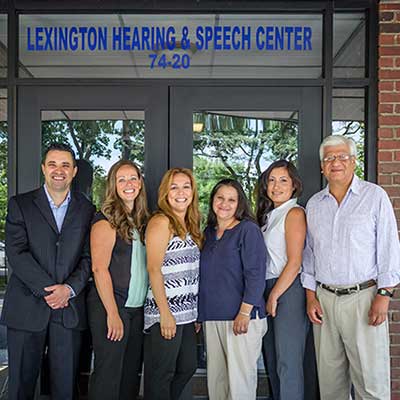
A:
(178, 61)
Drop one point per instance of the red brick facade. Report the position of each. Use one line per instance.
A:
(389, 145)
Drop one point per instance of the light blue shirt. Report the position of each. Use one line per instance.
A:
(139, 282)
(59, 216)
(352, 242)
(60, 211)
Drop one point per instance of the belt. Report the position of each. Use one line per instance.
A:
(349, 290)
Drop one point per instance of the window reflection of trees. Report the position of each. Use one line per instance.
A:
(240, 148)
(3, 180)
(226, 146)
(3, 205)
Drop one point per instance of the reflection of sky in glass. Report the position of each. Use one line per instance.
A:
(339, 128)
(115, 155)
(104, 162)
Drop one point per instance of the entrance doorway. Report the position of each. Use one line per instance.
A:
(219, 131)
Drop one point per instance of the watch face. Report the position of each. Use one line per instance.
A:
(385, 292)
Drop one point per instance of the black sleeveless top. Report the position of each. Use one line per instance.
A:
(120, 265)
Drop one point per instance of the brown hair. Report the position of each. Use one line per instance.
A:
(59, 147)
(115, 210)
(243, 210)
(264, 203)
(192, 217)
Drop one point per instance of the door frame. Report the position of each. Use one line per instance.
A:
(307, 101)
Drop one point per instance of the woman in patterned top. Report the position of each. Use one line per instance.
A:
(173, 238)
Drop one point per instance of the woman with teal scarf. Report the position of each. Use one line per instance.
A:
(115, 302)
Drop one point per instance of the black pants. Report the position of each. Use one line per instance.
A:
(169, 364)
(117, 365)
(25, 353)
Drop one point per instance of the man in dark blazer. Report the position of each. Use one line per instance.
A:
(47, 247)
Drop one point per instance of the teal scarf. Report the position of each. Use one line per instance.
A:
(139, 283)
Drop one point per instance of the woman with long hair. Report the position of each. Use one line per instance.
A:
(115, 302)
(173, 239)
(231, 303)
(283, 225)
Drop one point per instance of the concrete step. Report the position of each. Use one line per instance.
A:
(199, 385)
(197, 389)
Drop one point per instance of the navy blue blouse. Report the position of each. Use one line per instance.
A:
(232, 271)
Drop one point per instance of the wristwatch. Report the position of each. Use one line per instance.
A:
(385, 292)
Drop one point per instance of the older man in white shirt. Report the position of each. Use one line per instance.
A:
(350, 267)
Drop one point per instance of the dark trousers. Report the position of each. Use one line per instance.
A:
(25, 353)
(117, 364)
(284, 343)
(169, 364)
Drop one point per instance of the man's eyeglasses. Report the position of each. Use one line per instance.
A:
(340, 157)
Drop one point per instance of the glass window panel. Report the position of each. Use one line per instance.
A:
(3, 45)
(294, 46)
(3, 211)
(349, 45)
(348, 119)
(240, 145)
(99, 139)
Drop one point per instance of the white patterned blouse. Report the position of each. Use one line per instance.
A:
(180, 270)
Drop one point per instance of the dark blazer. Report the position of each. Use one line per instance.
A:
(40, 256)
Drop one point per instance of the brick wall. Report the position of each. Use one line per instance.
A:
(389, 145)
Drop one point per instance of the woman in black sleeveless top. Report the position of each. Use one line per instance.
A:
(115, 302)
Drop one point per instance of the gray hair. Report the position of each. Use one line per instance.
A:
(338, 140)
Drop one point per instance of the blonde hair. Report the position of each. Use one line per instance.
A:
(192, 217)
(114, 209)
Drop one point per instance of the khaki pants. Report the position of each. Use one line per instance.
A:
(232, 360)
(349, 351)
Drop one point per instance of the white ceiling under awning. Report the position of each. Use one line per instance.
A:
(92, 115)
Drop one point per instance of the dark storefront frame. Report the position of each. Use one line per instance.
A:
(16, 86)
(327, 82)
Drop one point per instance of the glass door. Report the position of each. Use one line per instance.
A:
(219, 131)
(102, 124)
(238, 131)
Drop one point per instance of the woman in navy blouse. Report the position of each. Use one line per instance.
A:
(231, 304)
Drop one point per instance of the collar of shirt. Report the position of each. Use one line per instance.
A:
(355, 188)
(51, 202)
(284, 206)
